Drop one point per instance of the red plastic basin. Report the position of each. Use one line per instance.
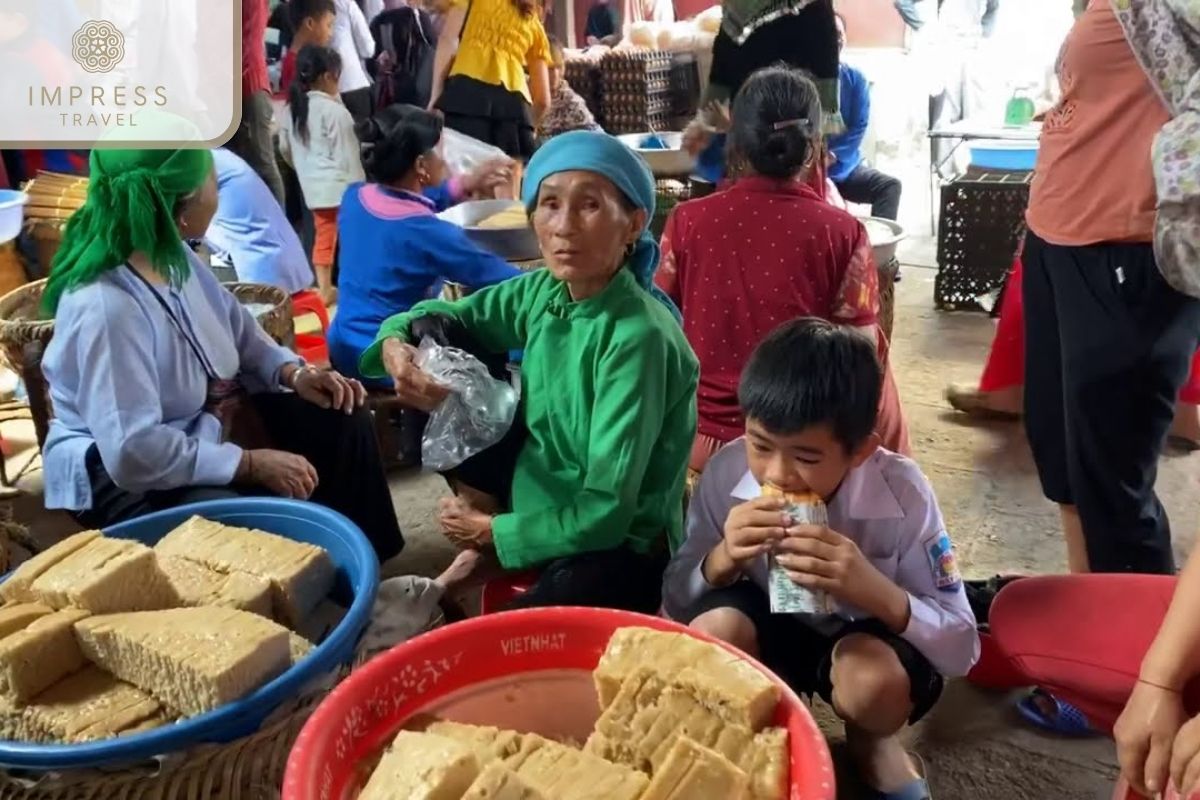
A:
(526, 670)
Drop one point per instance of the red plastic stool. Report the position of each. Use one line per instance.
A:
(313, 347)
(499, 593)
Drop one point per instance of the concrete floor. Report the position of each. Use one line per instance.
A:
(974, 747)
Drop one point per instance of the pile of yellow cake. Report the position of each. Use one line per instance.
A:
(681, 719)
(512, 217)
(103, 637)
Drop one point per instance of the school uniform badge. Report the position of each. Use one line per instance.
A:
(943, 563)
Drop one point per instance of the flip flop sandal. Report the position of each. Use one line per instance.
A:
(1182, 444)
(970, 402)
(1066, 719)
(915, 790)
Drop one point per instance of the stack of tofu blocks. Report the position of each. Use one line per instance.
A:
(681, 719)
(103, 637)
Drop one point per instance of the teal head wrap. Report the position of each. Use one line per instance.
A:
(602, 154)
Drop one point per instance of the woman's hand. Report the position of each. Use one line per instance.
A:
(285, 474)
(696, 137)
(489, 176)
(1185, 759)
(720, 118)
(329, 389)
(1146, 733)
(463, 524)
(414, 387)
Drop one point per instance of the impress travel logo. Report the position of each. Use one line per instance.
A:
(120, 73)
(98, 46)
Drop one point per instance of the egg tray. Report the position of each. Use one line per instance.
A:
(619, 124)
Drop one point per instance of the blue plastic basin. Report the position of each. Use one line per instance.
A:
(357, 582)
(1003, 154)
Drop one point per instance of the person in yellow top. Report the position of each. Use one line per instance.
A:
(479, 81)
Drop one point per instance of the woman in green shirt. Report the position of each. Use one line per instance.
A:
(609, 382)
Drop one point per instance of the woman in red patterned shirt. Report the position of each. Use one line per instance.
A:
(765, 250)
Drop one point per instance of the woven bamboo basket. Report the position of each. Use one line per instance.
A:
(24, 335)
(53, 198)
(276, 318)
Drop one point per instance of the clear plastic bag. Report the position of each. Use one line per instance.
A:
(477, 413)
(463, 154)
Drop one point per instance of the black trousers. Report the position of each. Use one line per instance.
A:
(341, 448)
(620, 579)
(868, 185)
(1108, 345)
(254, 143)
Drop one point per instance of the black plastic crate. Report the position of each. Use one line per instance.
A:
(982, 221)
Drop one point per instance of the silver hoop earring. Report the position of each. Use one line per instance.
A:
(629, 248)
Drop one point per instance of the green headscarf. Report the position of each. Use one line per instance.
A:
(130, 208)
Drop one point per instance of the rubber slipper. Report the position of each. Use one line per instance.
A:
(917, 790)
(1066, 721)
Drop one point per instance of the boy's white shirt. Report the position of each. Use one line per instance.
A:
(332, 159)
(887, 507)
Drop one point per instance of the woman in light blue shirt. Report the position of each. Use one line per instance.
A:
(252, 230)
(151, 356)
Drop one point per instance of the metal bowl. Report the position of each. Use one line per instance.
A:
(884, 245)
(671, 162)
(511, 244)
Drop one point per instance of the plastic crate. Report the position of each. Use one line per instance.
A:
(983, 217)
(685, 85)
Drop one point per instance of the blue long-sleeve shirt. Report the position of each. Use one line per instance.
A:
(123, 378)
(395, 252)
(855, 105)
(251, 228)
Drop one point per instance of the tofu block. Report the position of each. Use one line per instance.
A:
(19, 617)
(649, 716)
(565, 773)
(422, 766)
(34, 659)
(190, 659)
(498, 782)
(88, 706)
(728, 684)
(490, 744)
(691, 771)
(106, 576)
(301, 575)
(768, 764)
(198, 585)
(298, 647)
(16, 588)
(91, 705)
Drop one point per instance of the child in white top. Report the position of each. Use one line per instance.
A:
(318, 139)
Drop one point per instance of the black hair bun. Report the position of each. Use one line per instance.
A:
(368, 130)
